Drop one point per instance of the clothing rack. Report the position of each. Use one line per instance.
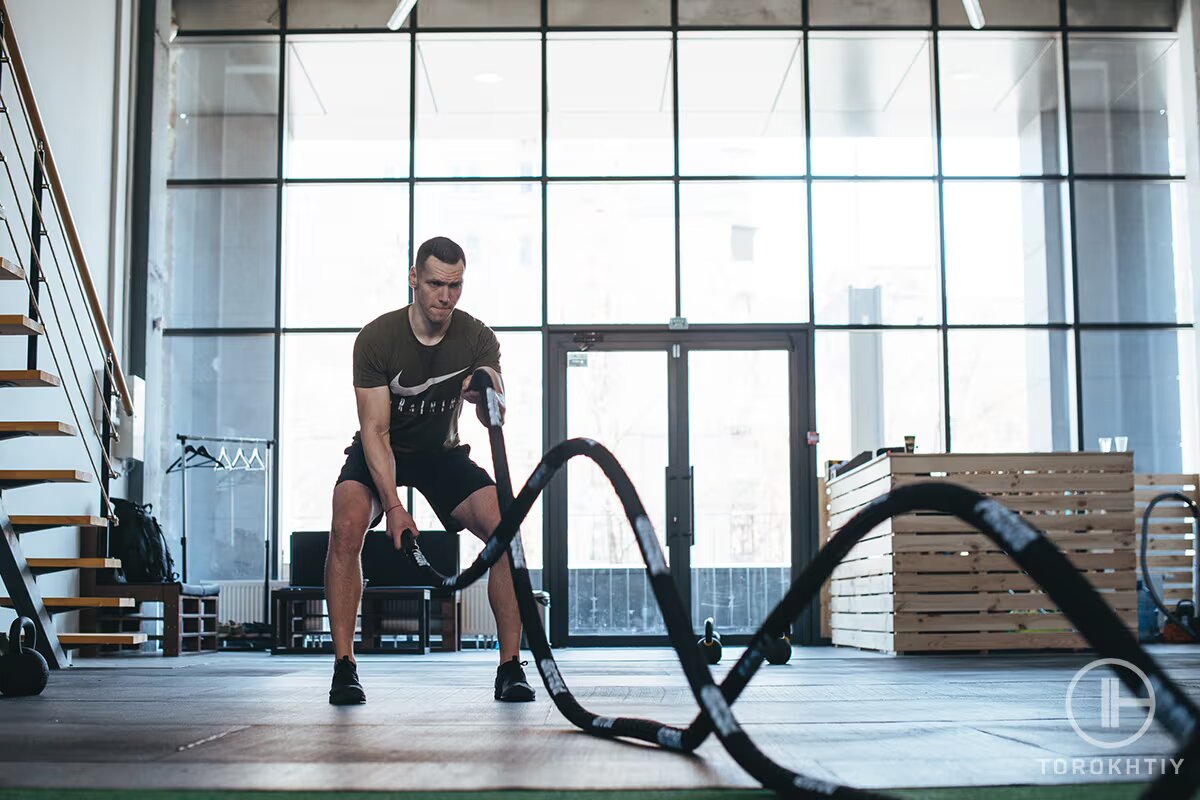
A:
(192, 457)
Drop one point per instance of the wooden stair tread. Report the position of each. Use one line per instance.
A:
(10, 271)
(27, 524)
(73, 563)
(16, 478)
(91, 639)
(10, 430)
(79, 602)
(12, 378)
(19, 325)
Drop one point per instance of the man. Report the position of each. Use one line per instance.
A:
(411, 372)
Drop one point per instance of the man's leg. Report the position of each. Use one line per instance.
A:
(352, 510)
(480, 514)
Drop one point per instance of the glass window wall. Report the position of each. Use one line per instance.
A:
(1022, 283)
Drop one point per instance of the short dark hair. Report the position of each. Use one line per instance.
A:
(445, 250)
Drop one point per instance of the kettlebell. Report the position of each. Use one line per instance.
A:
(1186, 611)
(779, 651)
(710, 643)
(23, 670)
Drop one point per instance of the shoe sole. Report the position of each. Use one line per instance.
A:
(350, 698)
(516, 694)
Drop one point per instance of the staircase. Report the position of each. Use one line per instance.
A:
(56, 322)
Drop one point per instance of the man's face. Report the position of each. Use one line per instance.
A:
(436, 288)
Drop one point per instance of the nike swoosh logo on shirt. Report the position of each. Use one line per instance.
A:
(409, 391)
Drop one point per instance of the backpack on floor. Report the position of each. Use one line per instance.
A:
(138, 540)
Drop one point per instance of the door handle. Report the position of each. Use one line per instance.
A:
(681, 528)
(691, 519)
(672, 517)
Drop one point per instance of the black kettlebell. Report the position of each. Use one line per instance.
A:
(23, 670)
(1186, 611)
(710, 643)
(779, 651)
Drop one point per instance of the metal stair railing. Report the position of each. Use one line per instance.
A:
(62, 299)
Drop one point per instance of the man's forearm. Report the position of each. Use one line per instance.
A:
(378, 450)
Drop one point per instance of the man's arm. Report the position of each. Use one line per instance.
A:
(374, 424)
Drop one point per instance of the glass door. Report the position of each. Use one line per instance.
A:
(618, 398)
(740, 459)
(709, 429)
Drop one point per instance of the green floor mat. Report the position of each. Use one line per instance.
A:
(1122, 791)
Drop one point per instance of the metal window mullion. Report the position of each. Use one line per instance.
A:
(277, 333)
(766, 328)
(935, 45)
(182, 183)
(229, 33)
(675, 154)
(809, 631)
(412, 144)
(555, 570)
(1068, 122)
(410, 494)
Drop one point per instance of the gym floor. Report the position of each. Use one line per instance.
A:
(259, 722)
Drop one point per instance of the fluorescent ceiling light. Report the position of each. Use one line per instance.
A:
(974, 13)
(403, 9)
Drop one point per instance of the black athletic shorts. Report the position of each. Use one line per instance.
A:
(445, 479)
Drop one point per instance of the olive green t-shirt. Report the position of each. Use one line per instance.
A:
(425, 381)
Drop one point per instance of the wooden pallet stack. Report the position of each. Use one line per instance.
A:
(1171, 544)
(929, 582)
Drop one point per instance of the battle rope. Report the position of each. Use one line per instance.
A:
(1146, 581)
(1032, 551)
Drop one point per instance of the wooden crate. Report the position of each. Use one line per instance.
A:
(929, 582)
(1171, 541)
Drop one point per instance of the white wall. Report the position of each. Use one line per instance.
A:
(78, 55)
(70, 50)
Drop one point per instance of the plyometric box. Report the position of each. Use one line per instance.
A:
(930, 582)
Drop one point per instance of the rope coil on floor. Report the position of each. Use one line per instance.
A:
(1029, 548)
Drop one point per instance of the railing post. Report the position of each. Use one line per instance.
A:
(37, 228)
(107, 435)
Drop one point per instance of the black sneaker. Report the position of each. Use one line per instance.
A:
(511, 686)
(346, 689)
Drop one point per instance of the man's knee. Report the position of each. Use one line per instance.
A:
(480, 513)
(346, 539)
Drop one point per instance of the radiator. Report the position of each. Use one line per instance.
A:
(477, 619)
(242, 601)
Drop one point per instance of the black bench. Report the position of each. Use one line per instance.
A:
(384, 568)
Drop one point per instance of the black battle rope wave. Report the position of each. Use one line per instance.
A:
(1032, 551)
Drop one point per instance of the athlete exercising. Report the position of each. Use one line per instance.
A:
(411, 372)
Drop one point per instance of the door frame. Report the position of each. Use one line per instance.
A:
(796, 340)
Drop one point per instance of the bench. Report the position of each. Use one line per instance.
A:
(384, 569)
(189, 617)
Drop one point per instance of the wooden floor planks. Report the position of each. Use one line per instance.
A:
(251, 721)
